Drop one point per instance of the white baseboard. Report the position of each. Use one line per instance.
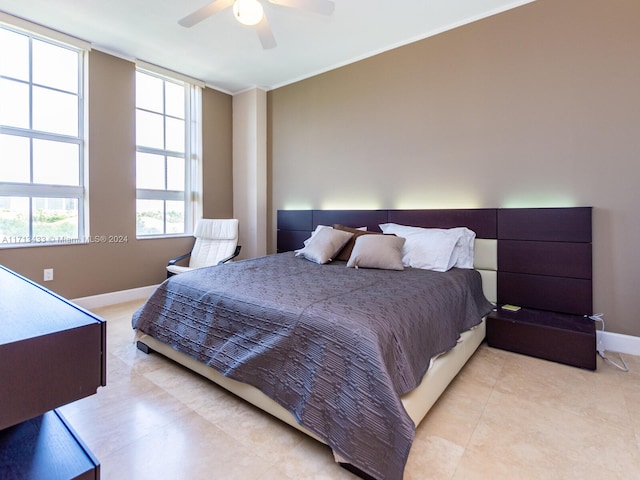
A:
(617, 342)
(112, 298)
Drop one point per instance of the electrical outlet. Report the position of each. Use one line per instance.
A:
(48, 274)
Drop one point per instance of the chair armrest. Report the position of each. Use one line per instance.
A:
(233, 255)
(173, 261)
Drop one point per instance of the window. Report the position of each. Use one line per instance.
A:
(42, 194)
(167, 146)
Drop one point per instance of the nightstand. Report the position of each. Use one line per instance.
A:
(559, 337)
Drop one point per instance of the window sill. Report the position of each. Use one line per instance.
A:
(157, 237)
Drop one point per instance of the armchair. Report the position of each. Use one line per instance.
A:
(216, 243)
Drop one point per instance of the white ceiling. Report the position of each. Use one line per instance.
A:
(228, 56)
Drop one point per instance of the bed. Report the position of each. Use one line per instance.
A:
(366, 408)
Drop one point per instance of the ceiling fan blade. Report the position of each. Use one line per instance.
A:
(323, 7)
(265, 34)
(205, 12)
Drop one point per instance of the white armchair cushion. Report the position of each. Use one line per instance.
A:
(178, 269)
(215, 240)
(214, 229)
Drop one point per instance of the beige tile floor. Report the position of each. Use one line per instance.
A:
(505, 416)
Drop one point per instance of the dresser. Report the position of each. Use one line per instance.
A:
(52, 352)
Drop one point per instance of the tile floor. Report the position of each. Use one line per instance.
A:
(505, 416)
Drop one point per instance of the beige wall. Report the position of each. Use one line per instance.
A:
(83, 270)
(217, 153)
(537, 106)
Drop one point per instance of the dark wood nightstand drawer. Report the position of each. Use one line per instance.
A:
(53, 352)
(559, 337)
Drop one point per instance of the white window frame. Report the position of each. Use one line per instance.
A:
(192, 194)
(33, 190)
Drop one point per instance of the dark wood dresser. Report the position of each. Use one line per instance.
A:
(52, 352)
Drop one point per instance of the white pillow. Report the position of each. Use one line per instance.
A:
(463, 251)
(431, 250)
(435, 249)
(377, 251)
(324, 245)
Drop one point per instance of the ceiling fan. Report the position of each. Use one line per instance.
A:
(251, 12)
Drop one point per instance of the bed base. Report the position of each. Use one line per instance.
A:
(356, 471)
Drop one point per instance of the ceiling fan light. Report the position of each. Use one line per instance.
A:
(248, 12)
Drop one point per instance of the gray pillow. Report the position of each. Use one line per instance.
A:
(377, 251)
(324, 245)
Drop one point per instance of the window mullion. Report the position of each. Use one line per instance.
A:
(156, 151)
(148, 194)
(188, 150)
(39, 135)
(30, 85)
(164, 217)
(30, 162)
(30, 217)
(164, 143)
(40, 190)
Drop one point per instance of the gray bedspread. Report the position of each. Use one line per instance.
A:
(336, 346)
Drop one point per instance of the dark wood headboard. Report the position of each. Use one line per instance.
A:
(544, 254)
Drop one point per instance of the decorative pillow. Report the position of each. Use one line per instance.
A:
(377, 251)
(318, 228)
(434, 248)
(345, 253)
(324, 245)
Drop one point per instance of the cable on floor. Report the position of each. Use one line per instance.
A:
(599, 317)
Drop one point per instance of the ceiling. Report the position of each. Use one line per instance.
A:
(228, 56)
